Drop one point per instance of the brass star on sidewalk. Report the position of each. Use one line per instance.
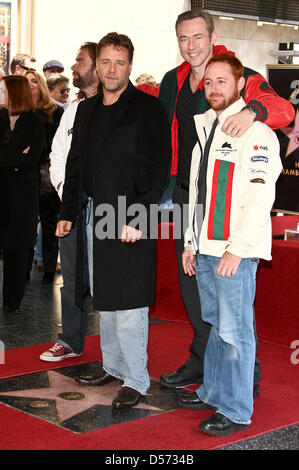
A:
(71, 398)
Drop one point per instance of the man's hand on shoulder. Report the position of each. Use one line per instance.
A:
(236, 124)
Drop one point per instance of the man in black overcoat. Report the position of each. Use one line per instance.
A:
(119, 157)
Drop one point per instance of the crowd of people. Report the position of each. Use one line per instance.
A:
(27, 193)
(211, 127)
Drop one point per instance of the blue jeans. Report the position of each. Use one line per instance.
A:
(124, 338)
(123, 333)
(227, 304)
(38, 247)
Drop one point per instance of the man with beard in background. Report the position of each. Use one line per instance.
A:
(74, 319)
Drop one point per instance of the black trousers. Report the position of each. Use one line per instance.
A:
(74, 320)
(49, 205)
(189, 292)
(14, 277)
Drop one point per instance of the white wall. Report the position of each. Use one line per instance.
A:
(252, 43)
(61, 26)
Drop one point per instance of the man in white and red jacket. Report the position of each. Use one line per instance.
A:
(182, 92)
(233, 180)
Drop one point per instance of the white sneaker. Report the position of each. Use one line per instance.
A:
(58, 352)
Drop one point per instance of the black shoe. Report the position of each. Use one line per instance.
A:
(100, 378)
(220, 425)
(191, 400)
(127, 398)
(182, 377)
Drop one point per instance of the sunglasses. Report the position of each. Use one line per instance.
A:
(55, 70)
(64, 90)
(27, 68)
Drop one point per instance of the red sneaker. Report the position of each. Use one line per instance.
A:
(58, 352)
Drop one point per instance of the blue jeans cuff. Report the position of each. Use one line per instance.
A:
(127, 383)
(234, 420)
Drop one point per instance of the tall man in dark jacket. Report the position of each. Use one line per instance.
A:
(119, 156)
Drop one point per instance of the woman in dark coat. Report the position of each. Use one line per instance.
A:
(49, 202)
(22, 141)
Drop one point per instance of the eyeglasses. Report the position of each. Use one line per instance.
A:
(55, 70)
(64, 90)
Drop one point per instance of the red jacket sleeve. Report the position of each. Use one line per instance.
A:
(153, 90)
(271, 108)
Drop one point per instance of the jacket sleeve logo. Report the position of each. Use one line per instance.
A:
(259, 158)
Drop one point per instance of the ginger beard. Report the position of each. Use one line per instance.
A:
(220, 102)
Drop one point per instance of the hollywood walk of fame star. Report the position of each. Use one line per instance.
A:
(293, 134)
(80, 398)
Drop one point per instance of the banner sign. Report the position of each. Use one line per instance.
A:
(285, 81)
(5, 35)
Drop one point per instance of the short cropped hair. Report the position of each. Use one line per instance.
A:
(118, 41)
(196, 13)
(19, 59)
(54, 79)
(236, 65)
(19, 94)
(146, 79)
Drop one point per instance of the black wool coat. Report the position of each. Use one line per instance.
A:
(132, 161)
(19, 179)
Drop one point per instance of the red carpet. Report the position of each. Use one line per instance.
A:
(277, 294)
(169, 303)
(23, 361)
(275, 408)
(277, 322)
